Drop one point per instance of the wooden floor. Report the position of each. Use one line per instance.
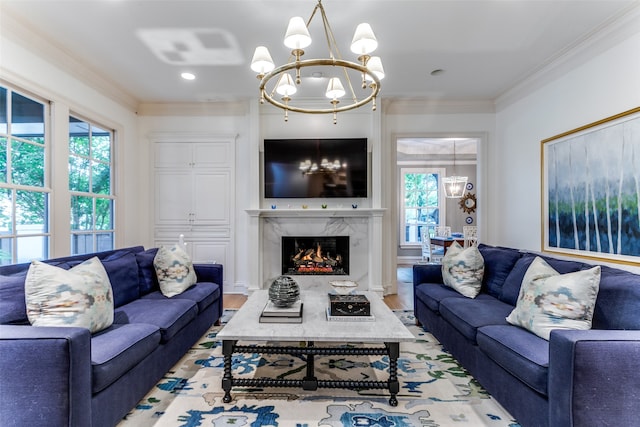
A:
(403, 300)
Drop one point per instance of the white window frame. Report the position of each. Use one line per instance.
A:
(405, 170)
(14, 236)
(94, 196)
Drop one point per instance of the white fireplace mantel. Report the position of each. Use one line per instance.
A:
(315, 213)
(363, 225)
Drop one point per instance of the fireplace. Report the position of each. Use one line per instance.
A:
(319, 255)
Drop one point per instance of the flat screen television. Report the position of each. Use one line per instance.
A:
(315, 168)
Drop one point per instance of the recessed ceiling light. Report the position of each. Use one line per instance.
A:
(437, 72)
(188, 76)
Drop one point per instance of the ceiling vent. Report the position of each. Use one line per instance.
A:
(192, 46)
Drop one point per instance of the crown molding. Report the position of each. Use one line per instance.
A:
(190, 137)
(617, 29)
(30, 38)
(393, 106)
(194, 109)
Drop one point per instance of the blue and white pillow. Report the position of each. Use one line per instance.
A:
(463, 269)
(81, 296)
(549, 300)
(174, 270)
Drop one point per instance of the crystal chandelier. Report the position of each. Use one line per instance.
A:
(454, 186)
(297, 38)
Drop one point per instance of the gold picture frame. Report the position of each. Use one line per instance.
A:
(591, 190)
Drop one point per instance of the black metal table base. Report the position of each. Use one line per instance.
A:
(310, 382)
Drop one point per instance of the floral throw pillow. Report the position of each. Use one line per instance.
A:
(81, 296)
(549, 300)
(462, 269)
(174, 270)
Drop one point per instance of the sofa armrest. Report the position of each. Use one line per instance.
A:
(46, 376)
(212, 273)
(427, 273)
(594, 377)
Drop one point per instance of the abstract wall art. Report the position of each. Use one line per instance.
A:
(591, 190)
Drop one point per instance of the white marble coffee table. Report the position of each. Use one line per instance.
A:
(386, 329)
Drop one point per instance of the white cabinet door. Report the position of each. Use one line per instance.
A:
(173, 155)
(211, 155)
(206, 252)
(194, 196)
(211, 191)
(173, 197)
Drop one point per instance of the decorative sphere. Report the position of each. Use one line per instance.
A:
(284, 291)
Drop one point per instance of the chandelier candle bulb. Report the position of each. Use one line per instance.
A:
(364, 41)
(335, 89)
(286, 86)
(297, 36)
(262, 62)
(375, 66)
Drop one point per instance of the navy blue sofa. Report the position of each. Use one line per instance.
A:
(65, 376)
(577, 378)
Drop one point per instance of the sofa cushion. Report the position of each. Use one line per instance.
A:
(523, 354)
(119, 348)
(202, 293)
(550, 300)
(498, 262)
(174, 270)
(462, 269)
(467, 315)
(148, 281)
(511, 287)
(618, 303)
(433, 293)
(13, 310)
(122, 269)
(80, 296)
(170, 315)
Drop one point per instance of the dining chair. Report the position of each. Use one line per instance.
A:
(425, 243)
(435, 252)
(443, 231)
(470, 235)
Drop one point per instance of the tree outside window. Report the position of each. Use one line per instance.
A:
(24, 194)
(90, 183)
(422, 204)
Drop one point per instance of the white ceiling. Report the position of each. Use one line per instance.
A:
(485, 47)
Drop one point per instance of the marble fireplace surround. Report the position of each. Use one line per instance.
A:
(362, 225)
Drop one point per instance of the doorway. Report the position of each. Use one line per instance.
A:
(421, 164)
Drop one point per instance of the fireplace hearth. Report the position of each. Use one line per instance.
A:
(319, 255)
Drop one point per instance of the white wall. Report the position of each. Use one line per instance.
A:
(31, 72)
(602, 86)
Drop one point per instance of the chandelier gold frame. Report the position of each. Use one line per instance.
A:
(370, 79)
(375, 86)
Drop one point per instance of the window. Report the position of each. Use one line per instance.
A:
(91, 187)
(422, 203)
(24, 195)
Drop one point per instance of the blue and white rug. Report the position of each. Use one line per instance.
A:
(435, 391)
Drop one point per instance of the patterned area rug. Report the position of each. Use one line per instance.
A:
(435, 391)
